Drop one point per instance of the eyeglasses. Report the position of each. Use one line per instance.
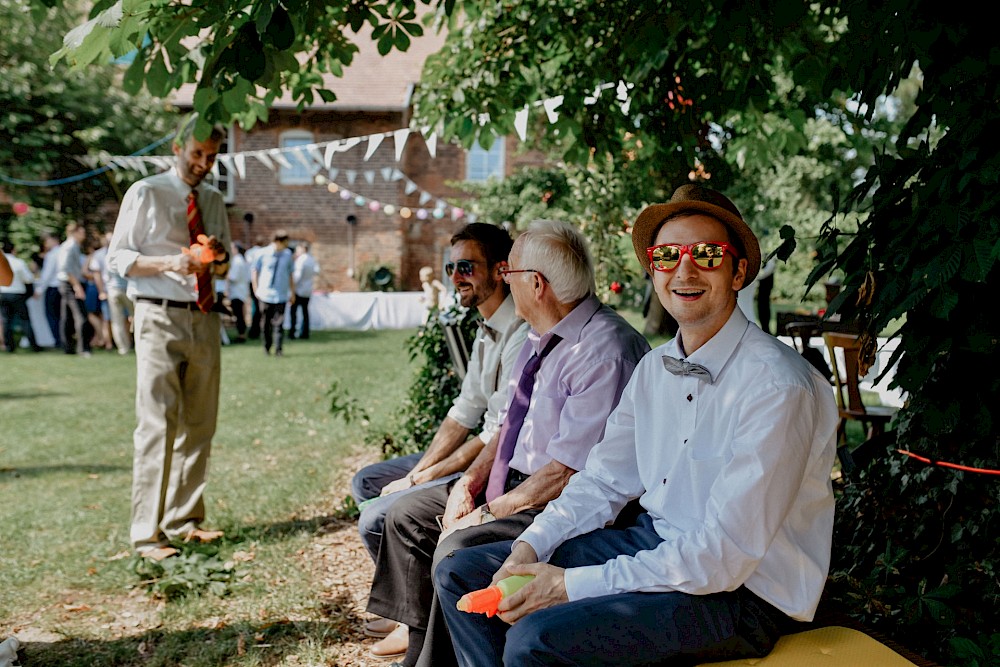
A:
(465, 267)
(505, 273)
(706, 255)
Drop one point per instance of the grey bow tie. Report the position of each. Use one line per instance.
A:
(488, 330)
(681, 367)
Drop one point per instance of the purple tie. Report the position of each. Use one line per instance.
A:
(514, 421)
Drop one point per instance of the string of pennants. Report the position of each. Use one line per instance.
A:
(309, 155)
(315, 156)
(322, 153)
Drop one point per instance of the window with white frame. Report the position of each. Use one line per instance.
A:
(482, 164)
(222, 173)
(301, 165)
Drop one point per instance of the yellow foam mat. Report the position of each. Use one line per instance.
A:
(832, 646)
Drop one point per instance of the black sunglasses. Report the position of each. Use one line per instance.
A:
(465, 267)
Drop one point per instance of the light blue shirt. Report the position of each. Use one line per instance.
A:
(273, 269)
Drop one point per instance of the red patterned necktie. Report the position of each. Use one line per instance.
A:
(206, 295)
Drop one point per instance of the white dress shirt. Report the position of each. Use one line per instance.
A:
(22, 276)
(238, 278)
(48, 277)
(484, 389)
(735, 475)
(152, 221)
(306, 270)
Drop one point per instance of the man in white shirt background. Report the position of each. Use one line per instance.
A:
(725, 436)
(305, 271)
(14, 300)
(47, 285)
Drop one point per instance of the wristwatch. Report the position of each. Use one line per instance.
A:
(485, 515)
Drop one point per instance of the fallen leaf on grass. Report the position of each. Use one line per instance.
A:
(121, 555)
(76, 607)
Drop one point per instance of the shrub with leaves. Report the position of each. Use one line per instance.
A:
(198, 568)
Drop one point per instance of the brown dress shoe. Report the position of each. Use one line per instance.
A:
(393, 646)
(158, 553)
(199, 535)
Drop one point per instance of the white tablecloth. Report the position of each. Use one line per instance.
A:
(358, 311)
(39, 324)
(361, 311)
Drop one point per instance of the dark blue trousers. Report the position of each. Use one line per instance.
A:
(624, 629)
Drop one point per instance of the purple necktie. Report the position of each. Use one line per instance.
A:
(514, 421)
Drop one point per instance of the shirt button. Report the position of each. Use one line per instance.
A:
(690, 398)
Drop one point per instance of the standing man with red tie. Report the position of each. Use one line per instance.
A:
(177, 342)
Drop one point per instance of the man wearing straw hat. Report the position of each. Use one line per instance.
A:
(725, 436)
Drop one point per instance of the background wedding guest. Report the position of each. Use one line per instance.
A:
(238, 289)
(306, 270)
(47, 285)
(14, 299)
(271, 276)
(69, 272)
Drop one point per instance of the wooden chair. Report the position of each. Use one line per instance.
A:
(844, 347)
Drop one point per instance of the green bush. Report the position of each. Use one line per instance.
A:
(917, 557)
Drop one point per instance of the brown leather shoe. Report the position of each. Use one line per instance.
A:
(380, 627)
(393, 646)
(199, 535)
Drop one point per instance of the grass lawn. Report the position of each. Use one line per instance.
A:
(65, 475)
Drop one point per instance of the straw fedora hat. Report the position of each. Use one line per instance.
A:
(710, 202)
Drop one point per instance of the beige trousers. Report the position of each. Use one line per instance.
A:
(176, 404)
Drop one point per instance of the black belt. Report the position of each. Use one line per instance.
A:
(186, 305)
(514, 478)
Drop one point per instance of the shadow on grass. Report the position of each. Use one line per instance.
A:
(228, 644)
(24, 395)
(280, 530)
(36, 471)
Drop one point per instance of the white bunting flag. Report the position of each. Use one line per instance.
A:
(264, 159)
(351, 175)
(240, 160)
(278, 156)
(331, 148)
(374, 141)
(432, 141)
(370, 177)
(551, 104)
(400, 136)
(521, 123)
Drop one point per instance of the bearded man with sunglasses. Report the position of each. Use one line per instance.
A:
(478, 255)
(725, 436)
